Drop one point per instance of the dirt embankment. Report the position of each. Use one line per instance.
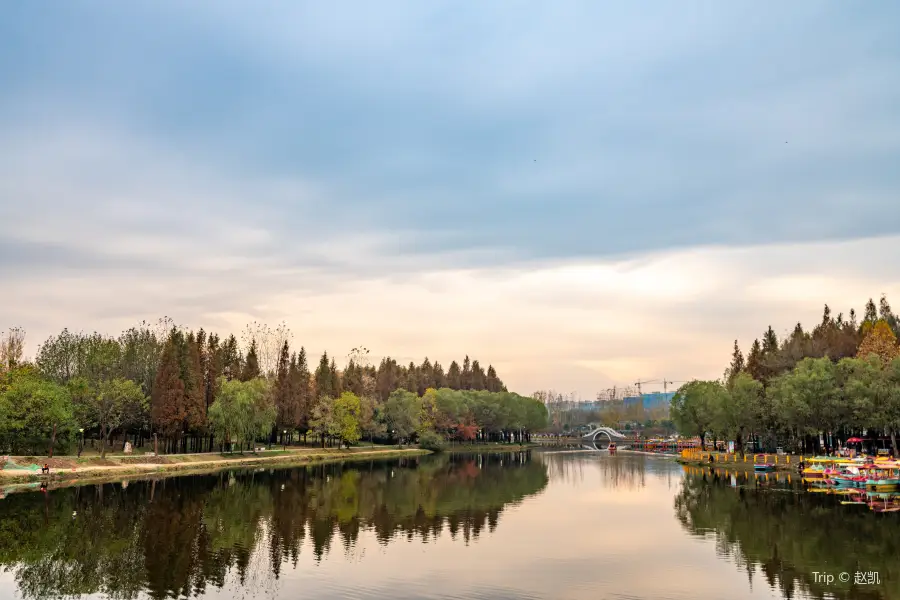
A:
(71, 469)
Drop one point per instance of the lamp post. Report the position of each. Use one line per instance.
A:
(81, 445)
(284, 439)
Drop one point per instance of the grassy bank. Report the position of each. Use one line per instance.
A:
(114, 468)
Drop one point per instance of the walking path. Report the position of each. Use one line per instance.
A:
(68, 468)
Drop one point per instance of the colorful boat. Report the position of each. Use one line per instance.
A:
(885, 477)
(762, 467)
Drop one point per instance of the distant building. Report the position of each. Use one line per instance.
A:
(651, 400)
(590, 405)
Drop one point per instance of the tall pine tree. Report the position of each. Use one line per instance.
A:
(167, 402)
(454, 377)
(282, 389)
(214, 368)
(478, 377)
(466, 375)
(194, 385)
(336, 387)
(438, 379)
(324, 383)
(736, 366)
(492, 382)
(232, 362)
(412, 378)
(887, 315)
(305, 391)
(754, 361)
(251, 363)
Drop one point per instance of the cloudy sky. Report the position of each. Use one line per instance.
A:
(581, 193)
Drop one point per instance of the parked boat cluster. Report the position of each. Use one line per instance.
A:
(873, 482)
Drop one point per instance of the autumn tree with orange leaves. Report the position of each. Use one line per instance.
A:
(880, 341)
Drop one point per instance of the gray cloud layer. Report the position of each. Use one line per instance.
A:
(571, 130)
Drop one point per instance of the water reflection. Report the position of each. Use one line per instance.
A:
(177, 537)
(772, 526)
(448, 528)
(628, 471)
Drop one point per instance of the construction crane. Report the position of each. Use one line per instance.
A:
(639, 383)
(666, 385)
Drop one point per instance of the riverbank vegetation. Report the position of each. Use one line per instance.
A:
(840, 380)
(168, 389)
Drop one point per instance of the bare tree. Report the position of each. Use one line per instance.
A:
(360, 356)
(268, 343)
(12, 347)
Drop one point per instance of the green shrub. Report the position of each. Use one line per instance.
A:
(430, 440)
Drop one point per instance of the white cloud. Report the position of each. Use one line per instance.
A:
(570, 326)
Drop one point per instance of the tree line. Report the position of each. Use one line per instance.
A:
(197, 391)
(840, 380)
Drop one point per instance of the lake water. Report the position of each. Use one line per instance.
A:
(540, 525)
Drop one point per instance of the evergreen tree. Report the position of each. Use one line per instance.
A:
(324, 383)
(824, 336)
(493, 382)
(336, 388)
(869, 318)
(167, 403)
(754, 361)
(304, 391)
(887, 315)
(871, 314)
(794, 349)
(770, 342)
(426, 376)
(736, 366)
(438, 379)
(353, 378)
(387, 377)
(194, 385)
(412, 378)
(231, 359)
(466, 375)
(282, 392)
(251, 363)
(478, 376)
(454, 377)
(291, 416)
(214, 368)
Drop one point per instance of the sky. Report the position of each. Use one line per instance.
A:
(582, 194)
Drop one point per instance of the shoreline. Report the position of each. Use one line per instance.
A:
(10, 480)
(489, 448)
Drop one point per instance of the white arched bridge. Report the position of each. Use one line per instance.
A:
(601, 437)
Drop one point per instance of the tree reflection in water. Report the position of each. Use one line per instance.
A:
(174, 537)
(627, 470)
(788, 534)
